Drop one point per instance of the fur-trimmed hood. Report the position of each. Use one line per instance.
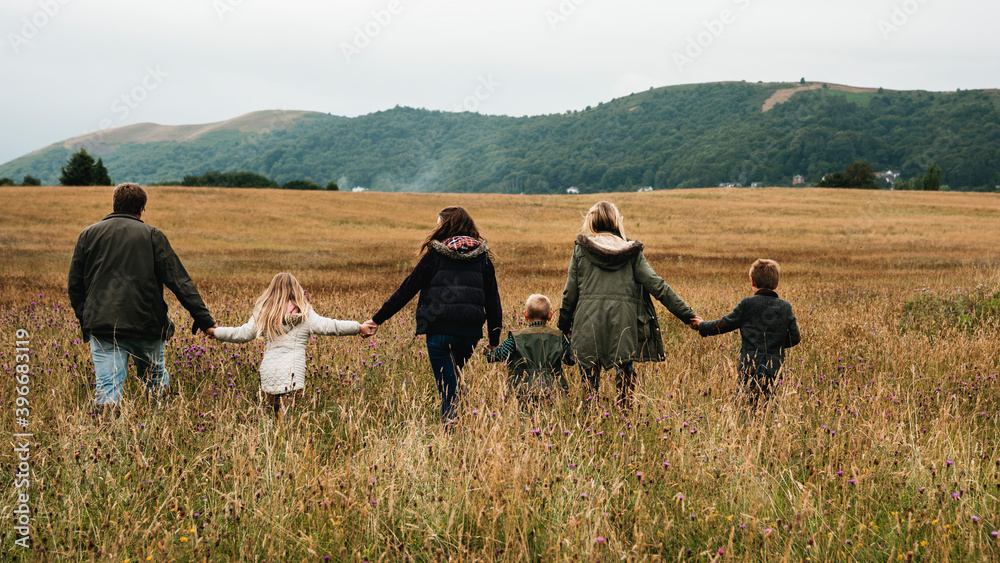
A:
(608, 251)
(465, 254)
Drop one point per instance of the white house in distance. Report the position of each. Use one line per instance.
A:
(358, 189)
(890, 176)
(572, 190)
(645, 189)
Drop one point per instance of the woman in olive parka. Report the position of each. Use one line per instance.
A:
(607, 307)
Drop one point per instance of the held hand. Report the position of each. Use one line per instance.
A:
(210, 331)
(368, 328)
(693, 323)
(488, 348)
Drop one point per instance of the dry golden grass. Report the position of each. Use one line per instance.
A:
(882, 443)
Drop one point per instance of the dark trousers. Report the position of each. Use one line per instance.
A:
(624, 381)
(448, 355)
(757, 384)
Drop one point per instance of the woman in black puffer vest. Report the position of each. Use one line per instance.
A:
(458, 294)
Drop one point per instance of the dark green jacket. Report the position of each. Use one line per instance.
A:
(535, 363)
(116, 280)
(607, 303)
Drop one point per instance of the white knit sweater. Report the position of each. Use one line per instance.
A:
(283, 368)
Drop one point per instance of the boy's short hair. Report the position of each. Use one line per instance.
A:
(538, 306)
(129, 198)
(765, 273)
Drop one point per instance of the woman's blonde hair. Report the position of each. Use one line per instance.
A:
(603, 217)
(270, 312)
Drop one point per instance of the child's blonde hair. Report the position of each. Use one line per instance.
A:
(764, 273)
(270, 312)
(538, 307)
(603, 217)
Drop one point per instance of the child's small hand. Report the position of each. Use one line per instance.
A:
(210, 331)
(368, 328)
(693, 323)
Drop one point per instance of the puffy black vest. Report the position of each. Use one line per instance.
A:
(454, 302)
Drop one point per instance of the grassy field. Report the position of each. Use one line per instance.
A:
(882, 445)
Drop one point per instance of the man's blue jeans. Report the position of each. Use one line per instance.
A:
(111, 366)
(448, 355)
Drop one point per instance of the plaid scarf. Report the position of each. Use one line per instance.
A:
(461, 243)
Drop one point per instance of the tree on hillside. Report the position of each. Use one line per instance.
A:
(31, 181)
(7, 182)
(99, 175)
(78, 170)
(333, 187)
(932, 179)
(858, 175)
(81, 170)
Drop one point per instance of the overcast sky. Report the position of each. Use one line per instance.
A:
(74, 66)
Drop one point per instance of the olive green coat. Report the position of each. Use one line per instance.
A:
(607, 303)
(535, 363)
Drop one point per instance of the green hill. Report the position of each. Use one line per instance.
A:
(673, 137)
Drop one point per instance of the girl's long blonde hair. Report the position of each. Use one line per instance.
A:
(270, 312)
(603, 217)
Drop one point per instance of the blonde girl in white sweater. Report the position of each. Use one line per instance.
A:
(285, 320)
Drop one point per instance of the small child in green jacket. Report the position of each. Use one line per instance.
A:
(535, 355)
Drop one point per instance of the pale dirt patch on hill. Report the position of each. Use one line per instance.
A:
(782, 96)
(151, 132)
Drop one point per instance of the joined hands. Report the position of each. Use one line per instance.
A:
(368, 328)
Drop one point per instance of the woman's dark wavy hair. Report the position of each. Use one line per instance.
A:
(455, 222)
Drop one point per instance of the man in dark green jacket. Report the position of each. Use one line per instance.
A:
(116, 279)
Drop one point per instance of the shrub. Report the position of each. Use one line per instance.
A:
(301, 185)
(231, 179)
(962, 309)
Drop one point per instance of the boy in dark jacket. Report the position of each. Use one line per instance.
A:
(767, 327)
(534, 355)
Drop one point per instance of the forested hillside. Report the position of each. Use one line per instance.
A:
(673, 137)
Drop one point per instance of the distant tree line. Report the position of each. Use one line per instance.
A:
(930, 181)
(82, 170)
(27, 181)
(244, 179)
(858, 175)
